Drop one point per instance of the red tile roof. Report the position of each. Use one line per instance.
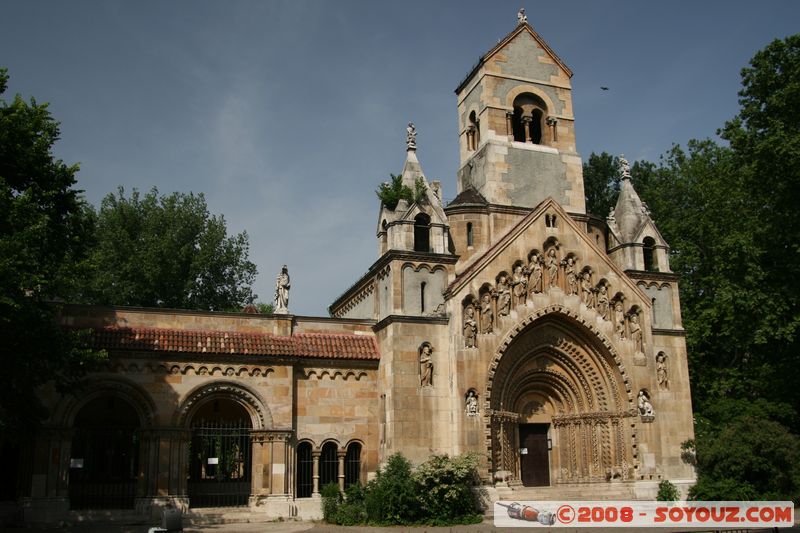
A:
(318, 345)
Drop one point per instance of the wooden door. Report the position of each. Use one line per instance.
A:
(535, 464)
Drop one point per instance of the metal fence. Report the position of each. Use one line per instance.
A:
(220, 464)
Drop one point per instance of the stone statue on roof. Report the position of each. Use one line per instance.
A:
(522, 18)
(282, 285)
(411, 136)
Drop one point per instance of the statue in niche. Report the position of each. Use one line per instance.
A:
(472, 403)
(411, 136)
(602, 301)
(282, 285)
(571, 277)
(636, 332)
(645, 407)
(519, 285)
(535, 270)
(619, 320)
(470, 327)
(552, 268)
(487, 315)
(426, 365)
(587, 291)
(503, 296)
(661, 371)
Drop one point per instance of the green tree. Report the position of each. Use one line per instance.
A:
(730, 216)
(45, 232)
(167, 251)
(765, 139)
(391, 192)
(601, 179)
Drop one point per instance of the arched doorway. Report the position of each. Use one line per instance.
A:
(104, 460)
(558, 404)
(220, 455)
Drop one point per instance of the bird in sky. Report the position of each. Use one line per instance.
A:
(604, 88)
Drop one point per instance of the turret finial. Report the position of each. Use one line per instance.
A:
(411, 137)
(624, 168)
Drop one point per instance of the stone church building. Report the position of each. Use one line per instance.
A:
(507, 322)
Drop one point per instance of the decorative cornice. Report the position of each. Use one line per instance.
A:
(651, 275)
(670, 332)
(431, 320)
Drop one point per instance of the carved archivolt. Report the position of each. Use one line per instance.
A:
(99, 386)
(334, 373)
(259, 412)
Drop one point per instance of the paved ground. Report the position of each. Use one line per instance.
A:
(313, 527)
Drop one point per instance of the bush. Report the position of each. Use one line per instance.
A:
(667, 492)
(445, 487)
(391, 497)
(439, 492)
(352, 511)
(331, 498)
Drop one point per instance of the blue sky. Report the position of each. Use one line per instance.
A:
(288, 114)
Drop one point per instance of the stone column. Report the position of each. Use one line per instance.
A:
(553, 123)
(259, 465)
(341, 454)
(510, 125)
(526, 123)
(315, 456)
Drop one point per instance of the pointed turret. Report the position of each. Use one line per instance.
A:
(417, 224)
(634, 241)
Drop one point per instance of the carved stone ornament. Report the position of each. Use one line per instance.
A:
(662, 371)
(426, 365)
(487, 315)
(470, 327)
(282, 285)
(522, 18)
(471, 403)
(624, 167)
(503, 297)
(535, 272)
(411, 137)
(645, 407)
(552, 268)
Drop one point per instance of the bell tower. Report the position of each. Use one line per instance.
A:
(516, 127)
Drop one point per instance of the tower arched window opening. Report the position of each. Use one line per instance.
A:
(422, 233)
(469, 234)
(649, 255)
(528, 119)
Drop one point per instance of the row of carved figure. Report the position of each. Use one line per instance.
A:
(543, 273)
(471, 399)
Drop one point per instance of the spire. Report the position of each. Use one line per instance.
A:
(630, 213)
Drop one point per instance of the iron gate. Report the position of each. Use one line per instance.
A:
(220, 464)
(103, 468)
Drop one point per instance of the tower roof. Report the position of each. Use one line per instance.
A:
(522, 27)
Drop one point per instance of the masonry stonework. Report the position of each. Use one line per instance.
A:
(508, 322)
